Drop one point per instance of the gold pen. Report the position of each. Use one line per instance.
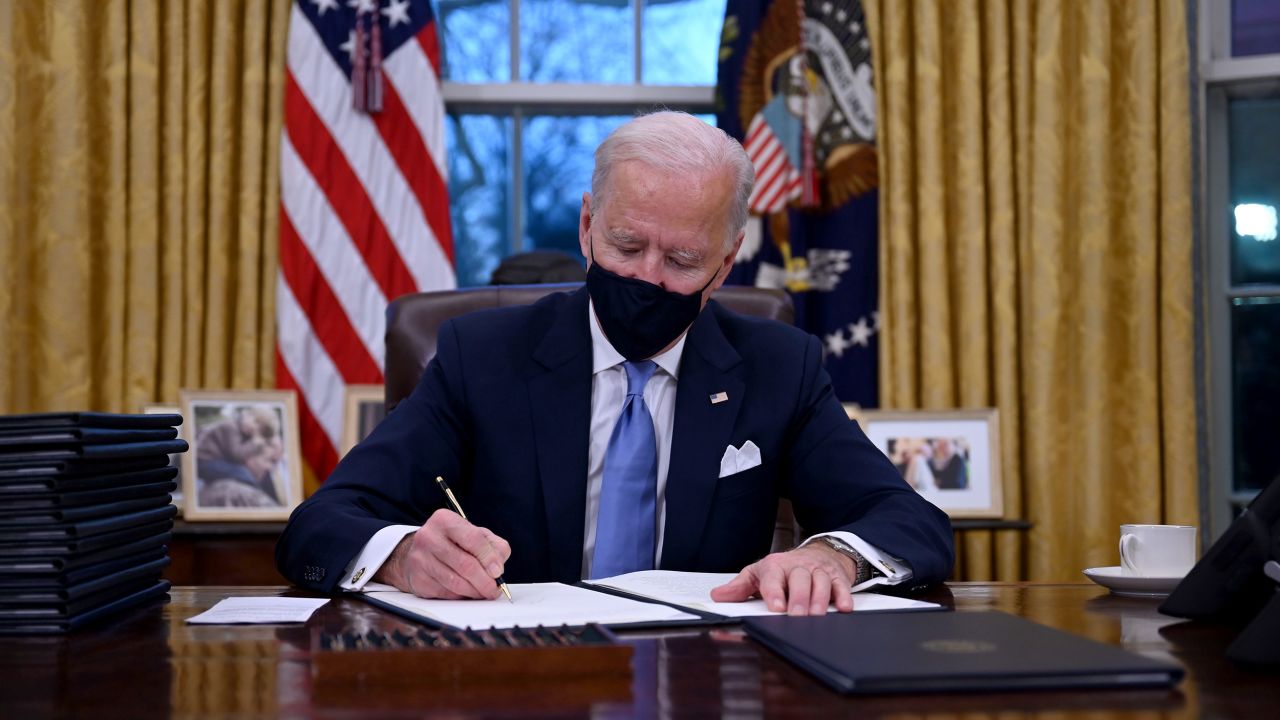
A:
(456, 507)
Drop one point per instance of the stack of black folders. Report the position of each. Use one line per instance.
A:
(85, 516)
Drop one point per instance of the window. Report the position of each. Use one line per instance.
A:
(1240, 93)
(533, 86)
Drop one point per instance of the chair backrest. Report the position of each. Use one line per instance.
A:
(414, 320)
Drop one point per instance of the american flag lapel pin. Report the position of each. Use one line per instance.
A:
(717, 398)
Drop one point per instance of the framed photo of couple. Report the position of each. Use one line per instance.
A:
(244, 462)
(951, 457)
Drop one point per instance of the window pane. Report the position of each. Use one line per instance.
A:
(1255, 382)
(681, 39)
(476, 40)
(1254, 192)
(1255, 27)
(559, 154)
(577, 41)
(479, 193)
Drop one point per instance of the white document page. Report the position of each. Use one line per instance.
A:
(258, 610)
(693, 590)
(533, 604)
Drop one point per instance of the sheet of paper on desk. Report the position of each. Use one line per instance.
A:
(534, 604)
(258, 611)
(693, 590)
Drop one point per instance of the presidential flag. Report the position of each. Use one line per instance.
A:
(795, 86)
(364, 214)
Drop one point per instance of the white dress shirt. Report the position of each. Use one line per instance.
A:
(608, 390)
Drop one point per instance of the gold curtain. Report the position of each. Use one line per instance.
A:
(138, 193)
(1036, 257)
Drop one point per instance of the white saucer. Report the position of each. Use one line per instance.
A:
(1131, 586)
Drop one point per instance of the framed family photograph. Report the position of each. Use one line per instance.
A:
(175, 459)
(364, 407)
(951, 457)
(244, 462)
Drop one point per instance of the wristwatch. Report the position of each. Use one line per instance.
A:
(863, 570)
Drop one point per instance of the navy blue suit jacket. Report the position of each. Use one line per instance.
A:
(502, 412)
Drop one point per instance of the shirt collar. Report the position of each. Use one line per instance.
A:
(604, 356)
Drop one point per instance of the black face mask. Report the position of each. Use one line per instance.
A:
(638, 317)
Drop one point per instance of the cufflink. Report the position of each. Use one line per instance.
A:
(359, 574)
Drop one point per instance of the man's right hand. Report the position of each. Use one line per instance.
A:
(448, 558)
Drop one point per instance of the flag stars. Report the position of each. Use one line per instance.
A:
(322, 6)
(396, 12)
(860, 332)
(827, 8)
(853, 335)
(836, 343)
(349, 47)
(363, 6)
(855, 27)
(841, 16)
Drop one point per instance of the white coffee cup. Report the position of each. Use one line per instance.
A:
(1163, 551)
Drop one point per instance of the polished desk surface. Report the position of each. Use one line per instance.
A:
(149, 664)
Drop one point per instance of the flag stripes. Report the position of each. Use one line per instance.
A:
(777, 180)
(343, 192)
(364, 207)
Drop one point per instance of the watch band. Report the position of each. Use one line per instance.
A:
(863, 569)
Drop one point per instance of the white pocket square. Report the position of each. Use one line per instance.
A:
(736, 460)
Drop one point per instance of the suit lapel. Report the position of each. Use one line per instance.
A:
(560, 396)
(701, 433)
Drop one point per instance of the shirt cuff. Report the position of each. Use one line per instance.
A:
(893, 570)
(375, 552)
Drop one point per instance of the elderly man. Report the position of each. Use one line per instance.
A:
(629, 425)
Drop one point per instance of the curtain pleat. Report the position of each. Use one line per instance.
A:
(1036, 257)
(138, 194)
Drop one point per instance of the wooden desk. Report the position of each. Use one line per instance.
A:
(224, 553)
(151, 665)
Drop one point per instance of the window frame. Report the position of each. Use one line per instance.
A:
(1220, 79)
(518, 98)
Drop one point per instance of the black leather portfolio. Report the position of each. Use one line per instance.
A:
(11, 438)
(58, 532)
(45, 577)
(49, 595)
(951, 652)
(53, 560)
(18, 519)
(85, 545)
(75, 475)
(88, 454)
(14, 503)
(89, 419)
(46, 625)
(69, 608)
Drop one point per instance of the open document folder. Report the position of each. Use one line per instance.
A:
(651, 597)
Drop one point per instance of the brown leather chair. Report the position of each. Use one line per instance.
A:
(414, 320)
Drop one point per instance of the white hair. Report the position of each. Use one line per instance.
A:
(676, 143)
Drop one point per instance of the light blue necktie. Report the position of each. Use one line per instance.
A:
(626, 525)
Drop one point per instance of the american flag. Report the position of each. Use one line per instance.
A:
(777, 179)
(364, 214)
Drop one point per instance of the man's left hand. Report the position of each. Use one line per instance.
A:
(803, 581)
